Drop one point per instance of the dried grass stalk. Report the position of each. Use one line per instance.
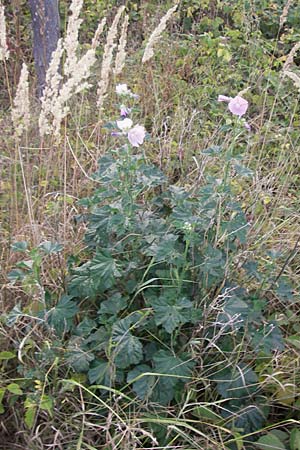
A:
(74, 85)
(71, 40)
(121, 52)
(108, 57)
(285, 13)
(21, 109)
(99, 31)
(51, 91)
(155, 36)
(294, 77)
(290, 58)
(59, 90)
(4, 53)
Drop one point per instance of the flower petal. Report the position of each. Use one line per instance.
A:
(238, 106)
(136, 135)
(124, 124)
(224, 98)
(122, 89)
(124, 110)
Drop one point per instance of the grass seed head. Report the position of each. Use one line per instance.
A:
(155, 36)
(121, 52)
(108, 57)
(4, 53)
(21, 107)
(71, 40)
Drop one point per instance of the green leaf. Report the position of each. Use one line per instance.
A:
(166, 363)
(127, 351)
(104, 266)
(16, 275)
(183, 215)
(170, 312)
(294, 340)
(95, 276)
(267, 338)
(14, 388)
(283, 436)
(30, 415)
(269, 442)
(295, 439)
(127, 348)
(164, 391)
(157, 389)
(214, 150)
(20, 246)
(242, 170)
(143, 386)
(236, 227)
(99, 372)
(251, 268)
(285, 290)
(213, 266)
(60, 317)
(113, 305)
(50, 247)
(14, 315)
(26, 264)
(163, 249)
(98, 340)
(236, 382)
(150, 176)
(85, 327)
(6, 355)
(235, 307)
(2, 392)
(46, 403)
(245, 416)
(78, 358)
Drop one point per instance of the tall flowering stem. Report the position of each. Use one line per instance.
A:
(21, 107)
(4, 53)
(121, 51)
(107, 58)
(156, 35)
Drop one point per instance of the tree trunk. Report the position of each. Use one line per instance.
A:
(45, 25)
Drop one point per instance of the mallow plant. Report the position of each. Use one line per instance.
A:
(164, 287)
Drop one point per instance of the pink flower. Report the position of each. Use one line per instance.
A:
(124, 110)
(124, 124)
(223, 98)
(122, 89)
(136, 135)
(237, 105)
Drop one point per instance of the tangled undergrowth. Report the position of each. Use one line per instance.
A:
(150, 251)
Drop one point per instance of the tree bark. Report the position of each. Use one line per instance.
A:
(46, 31)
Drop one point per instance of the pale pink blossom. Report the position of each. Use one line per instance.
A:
(122, 89)
(224, 98)
(124, 124)
(124, 110)
(236, 105)
(136, 135)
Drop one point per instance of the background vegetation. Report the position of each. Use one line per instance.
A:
(150, 296)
